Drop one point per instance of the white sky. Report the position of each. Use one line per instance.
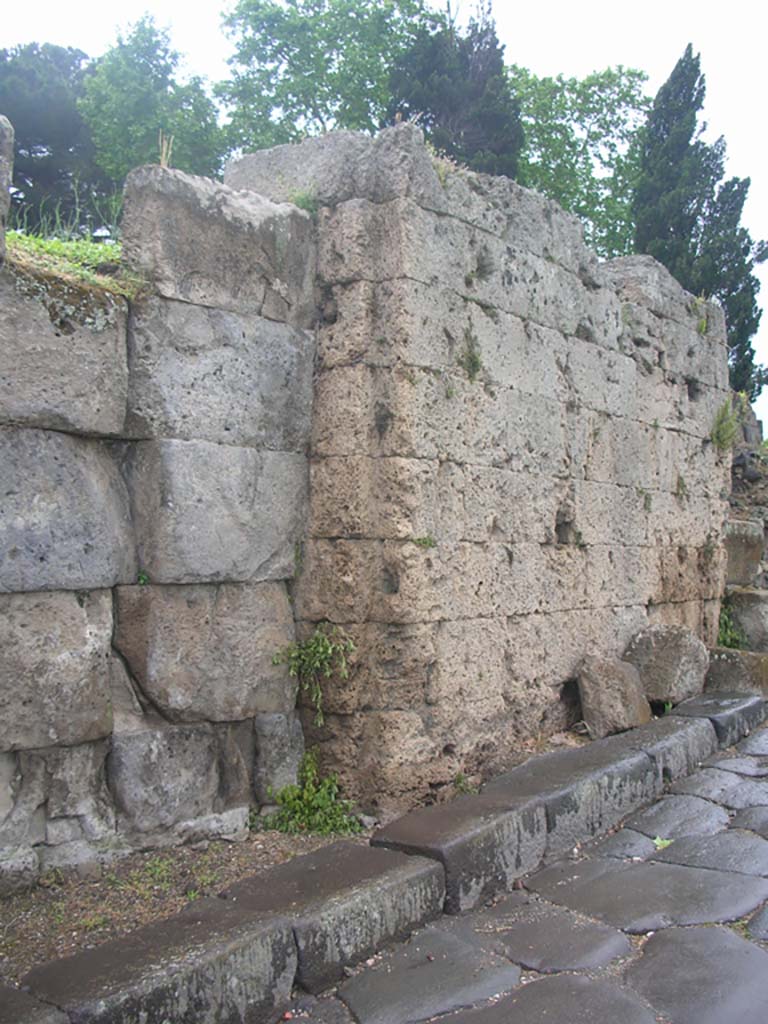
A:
(550, 37)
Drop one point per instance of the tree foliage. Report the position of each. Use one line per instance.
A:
(131, 95)
(306, 66)
(689, 219)
(580, 147)
(456, 87)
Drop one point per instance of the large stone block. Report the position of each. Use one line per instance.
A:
(749, 610)
(737, 671)
(671, 660)
(205, 652)
(54, 679)
(64, 514)
(207, 512)
(210, 375)
(63, 362)
(201, 242)
(279, 749)
(744, 542)
(6, 174)
(612, 698)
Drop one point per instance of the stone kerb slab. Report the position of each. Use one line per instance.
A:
(204, 243)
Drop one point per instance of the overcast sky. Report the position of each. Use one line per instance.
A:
(551, 37)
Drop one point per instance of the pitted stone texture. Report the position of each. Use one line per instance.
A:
(733, 715)
(702, 976)
(64, 514)
(724, 788)
(483, 843)
(623, 845)
(749, 611)
(744, 540)
(16, 1007)
(212, 962)
(6, 175)
(19, 870)
(737, 671)
(205, 374)
(644, 897)
(203, 243)
(62, 355)
(566, 998)
(279, 749)
(208, 512)
(204, 652)
(735, 851)
(345, 902)
(434, 974)
(671, 660)
(677, 816)
(54, 668)
(676, 745)
(612, 697)
(755, 745)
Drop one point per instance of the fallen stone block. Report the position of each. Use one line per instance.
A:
(65, 522)
(209, 375)
(611, 695)
(63, 363)
(744, 541)
(205, 652)
(16, 1007)
(483, 842)
(345, 901)
(671, 660)
(212, 962)
(54, 668)
(733, 715)
(201, 242)
(737, 671)
(749, 612)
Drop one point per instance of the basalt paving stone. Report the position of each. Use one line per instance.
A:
(484, 843)
(753, 767)
(644, 897)
(17, 1007)
(758, 925)
(623, 844)
(739, 852)
(724, 788)
(677, 816)
(732, 714)
(433, 974)
(540, 937)
(756, 744)
(325, 1010)
(753, 818)
(703, 976)
(344, 901)
(566, 999)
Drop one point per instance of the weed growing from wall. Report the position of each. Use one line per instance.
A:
(313, 805)
(319, 657)
(729, 633)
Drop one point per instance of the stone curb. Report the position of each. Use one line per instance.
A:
(237, 958)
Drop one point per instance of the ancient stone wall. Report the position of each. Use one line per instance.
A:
(153, 489)
(511, 457)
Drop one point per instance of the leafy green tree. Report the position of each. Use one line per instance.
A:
(456, 87)
(55, 176)
(580, 147)
(131, 96)
(689, 219)
(307, 66)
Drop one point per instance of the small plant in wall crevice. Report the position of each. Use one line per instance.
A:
(320, 656)
(312, 805)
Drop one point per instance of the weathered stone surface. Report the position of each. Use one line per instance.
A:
(744, 541)
(733, 715)
(724, 788)
(758, 926)
(611, 695)
(675, 744)
(345, 902)
(54, 668)
(279, 749)
(256, 499)
(201, 242)
(749, 611)
(19, 870)
(672, 662)
(677, 816)
(737, 671)
(644, 897)
(211, 962)
(435, 974)
(702, 976)
(16, 1007)
(62, 355)
(624, 844)
(752, 767)
(733, 851)
(753, 818)
(6, 174)
(755, 745)
(206, 374)
(64, 518)
(483, 843)
(568, 997)
(205, 652)
(584, 791)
